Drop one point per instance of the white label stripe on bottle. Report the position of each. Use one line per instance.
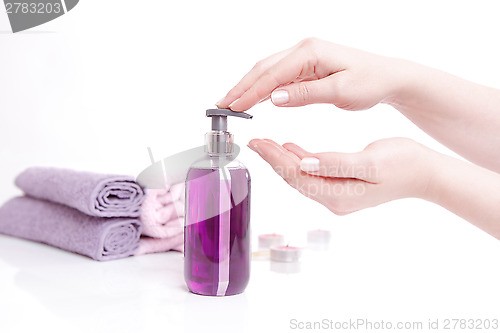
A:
(224, 230)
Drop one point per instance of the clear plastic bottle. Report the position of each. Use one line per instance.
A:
(217, 219)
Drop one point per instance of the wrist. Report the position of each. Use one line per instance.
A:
(403, 79)
(430, 171)
(435, 184)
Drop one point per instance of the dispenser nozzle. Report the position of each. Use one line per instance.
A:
(219, 117)
(219, 140)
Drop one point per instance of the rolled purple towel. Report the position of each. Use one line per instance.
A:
(94, 194)
(70, 230)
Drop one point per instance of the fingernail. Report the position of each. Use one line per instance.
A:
(279, 97)
(309, 164)
(255, 148)
(219, 102)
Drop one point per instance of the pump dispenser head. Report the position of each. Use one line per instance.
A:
(219, 140)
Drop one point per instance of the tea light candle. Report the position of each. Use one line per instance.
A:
(285, 267)
(268, 240)
(318, 239)
(285, 253)
(318, 236)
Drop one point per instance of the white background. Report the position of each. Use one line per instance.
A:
(96, 87)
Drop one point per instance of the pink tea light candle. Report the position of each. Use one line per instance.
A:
(318, 236)
(285, 253)
(318, 239)
(286, 267)
(266, 241)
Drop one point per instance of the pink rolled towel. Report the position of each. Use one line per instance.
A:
(177, 192)
(156, 245)
(162, 217)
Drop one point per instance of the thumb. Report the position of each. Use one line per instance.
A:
(303, 93)
(340, 165)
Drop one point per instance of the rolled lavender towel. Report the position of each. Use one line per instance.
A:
(66, 228)
(94, 194)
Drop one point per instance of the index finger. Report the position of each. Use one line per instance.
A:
(249, 79)
(283, 72)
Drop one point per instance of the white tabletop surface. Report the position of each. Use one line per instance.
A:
(393, 280)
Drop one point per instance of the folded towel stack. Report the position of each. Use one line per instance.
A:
(162, 217)
(101, 216)
(87, 213)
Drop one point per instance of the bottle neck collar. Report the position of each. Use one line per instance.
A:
(219, 142)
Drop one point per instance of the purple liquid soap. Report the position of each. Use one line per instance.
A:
(217, 228)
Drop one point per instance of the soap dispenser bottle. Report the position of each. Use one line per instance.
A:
(217, 216)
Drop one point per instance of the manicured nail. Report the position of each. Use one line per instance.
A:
(280, 97)
(255, 148)
(219, 101)
(309, 164)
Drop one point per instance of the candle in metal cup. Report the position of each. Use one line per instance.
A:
(285, 253)
(318, 239)
(266, 241)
